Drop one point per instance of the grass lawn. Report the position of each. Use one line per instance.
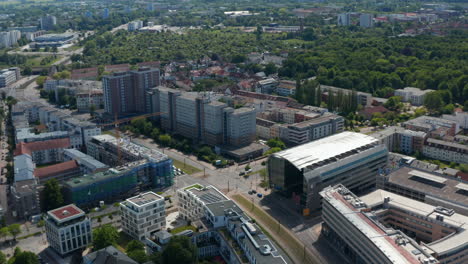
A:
(188, 169)
(35, 61)
(198, 186)
(183, 228)
(269, 223)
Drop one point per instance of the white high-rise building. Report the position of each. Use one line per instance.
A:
(68, 229)
(143, 215)
(9, 38)
(344, 19)
(366, 20)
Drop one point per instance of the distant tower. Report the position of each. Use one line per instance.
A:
(301, 25)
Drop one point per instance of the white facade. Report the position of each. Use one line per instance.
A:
(460, 118)
(413, 95)
(68, 229)
(8, 76)
(143, 215)
(9, 38)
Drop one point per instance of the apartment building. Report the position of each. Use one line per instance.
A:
(9, 38)
(411, 141)
(429, 124)
(26, 135)
(352, 225)
(428, 187)
(9, 76)
(68, 229)
(43, 152)
(126, 92)
(303, 171)
(24, 196)
(86, 163)
(267, 86)
(143, 215)
(239, 126)
(60, 172)
(48, 22)
(445, 150)
(344, 19)
(86, 101)
(366, 20)
(286, 88)
(413, 95)
(203, 118)
(364, 99)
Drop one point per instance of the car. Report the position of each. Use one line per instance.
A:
(254, 191)
(249, 171)
(259, 195)
(241, 173)
(250, 192)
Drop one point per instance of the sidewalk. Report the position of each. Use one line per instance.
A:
(295, 249)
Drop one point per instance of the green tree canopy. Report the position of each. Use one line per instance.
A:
(104, 236)
(179, 250)
(53, 197)
(15, 230)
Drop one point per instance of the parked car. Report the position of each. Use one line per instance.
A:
(259, 195)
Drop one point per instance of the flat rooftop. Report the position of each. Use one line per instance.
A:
(458, 221)
(207, 195)
(384, 238)
(145, 198)
(66, 213)
(432, 184)
(326, 148)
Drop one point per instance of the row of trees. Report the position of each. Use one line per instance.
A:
(20, 257)
(179, 249)
(309, 92)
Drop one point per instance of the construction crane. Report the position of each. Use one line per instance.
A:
(116, 124)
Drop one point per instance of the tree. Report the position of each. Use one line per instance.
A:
(104, 236)
(276, 143)
(4, 232)
(179, 250)
(3, 259)
(394, 103)
(25, 257)
(135, 245)
(138, 255)
(433, 101)
(270, 68)
(41, 80)
(53, 197)
(15, 229)
(165, 139)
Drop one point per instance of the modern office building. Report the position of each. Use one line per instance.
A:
(48, 22)
(354, 229)
(126, 92)
(9, 76)
(143, 215)
(413, 95)
(239, 126)
(366, 20)
(344, 19)
(428, 187)
(302, 172)
(111, 185)
(68, 229)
